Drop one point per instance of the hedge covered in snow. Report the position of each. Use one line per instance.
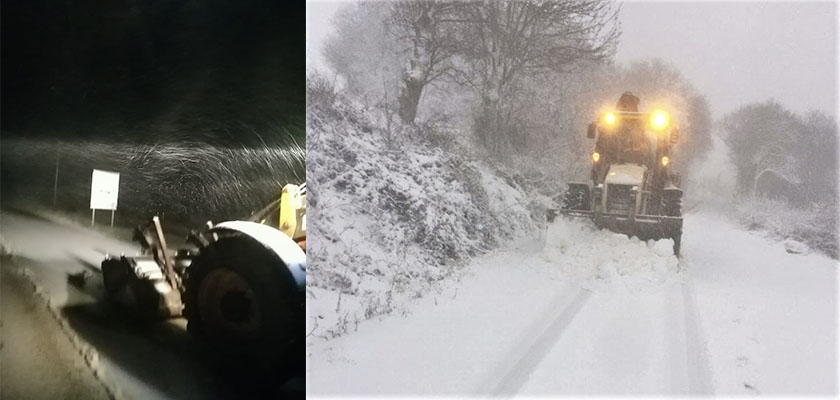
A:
(815, 226)
(391, 214)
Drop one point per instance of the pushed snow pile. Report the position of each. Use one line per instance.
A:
(392, 215)
(604, 260)
(794, 247)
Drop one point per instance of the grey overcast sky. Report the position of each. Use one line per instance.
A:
(741, 52)
(733, 52)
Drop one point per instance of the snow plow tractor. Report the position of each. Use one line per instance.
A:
(631, 190)
(240, 284)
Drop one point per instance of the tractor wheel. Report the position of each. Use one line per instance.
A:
(114, 278)
(677, 241)
(577, 198)
(672, 207)
(672, 204)
(242, 302)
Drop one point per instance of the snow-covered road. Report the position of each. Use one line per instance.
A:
(133, 359)
(37, 361)
(590, 312)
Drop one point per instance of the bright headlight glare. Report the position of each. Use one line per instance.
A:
(609, 118)
(659, 119)
(595, 156)
(665, 161)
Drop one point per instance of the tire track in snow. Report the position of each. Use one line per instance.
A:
(699, 367)
(529, 354)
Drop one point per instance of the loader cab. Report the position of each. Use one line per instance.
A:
(631, 137)
(625, 137)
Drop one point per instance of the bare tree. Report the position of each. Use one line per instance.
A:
(425, 29)
(502, 41)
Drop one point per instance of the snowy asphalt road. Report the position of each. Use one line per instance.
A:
(738, 315)
(37, 360)
(135, 360)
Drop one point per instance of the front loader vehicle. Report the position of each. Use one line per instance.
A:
(631, 189)
(240, 284)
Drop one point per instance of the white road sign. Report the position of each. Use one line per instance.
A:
(104, 187)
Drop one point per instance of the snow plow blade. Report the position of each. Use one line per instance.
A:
(644, 227)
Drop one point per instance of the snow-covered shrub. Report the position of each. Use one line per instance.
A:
(815, 225)
(390, 216)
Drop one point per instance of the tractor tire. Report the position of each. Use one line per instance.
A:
(677, 238)
(672, 207)
(671, 204)
(114, 278)
(243, 303)
(577, 198)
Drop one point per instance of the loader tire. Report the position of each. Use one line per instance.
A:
(671, 204)
(114, 278)
(242, 304)
(677, 242)
(576, 198)
(672, 207)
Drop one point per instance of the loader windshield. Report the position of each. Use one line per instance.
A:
(628, 143)
(634, 145)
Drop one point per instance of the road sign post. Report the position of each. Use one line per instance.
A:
(104, 191)
(55, 181)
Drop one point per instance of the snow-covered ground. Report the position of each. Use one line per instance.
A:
(580, 311)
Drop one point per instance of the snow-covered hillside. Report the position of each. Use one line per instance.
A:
(391, 215)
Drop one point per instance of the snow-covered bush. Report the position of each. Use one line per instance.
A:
(815, 225)
(391, 214)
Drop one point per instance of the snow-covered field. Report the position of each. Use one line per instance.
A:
(580, 311)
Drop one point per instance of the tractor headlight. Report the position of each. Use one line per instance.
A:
(596, 156)
(665, 161)
(659, 120)
(609, 119)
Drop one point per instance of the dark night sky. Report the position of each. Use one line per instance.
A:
(223, 71)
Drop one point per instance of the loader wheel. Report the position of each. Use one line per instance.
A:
(672, 207)
(576, 198)
(114, 278)
(241, 301)
(672, 204)
(677, 241)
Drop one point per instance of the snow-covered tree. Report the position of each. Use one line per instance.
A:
(816, 153)
(762, 140)
(425, 30)
(502, 43)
